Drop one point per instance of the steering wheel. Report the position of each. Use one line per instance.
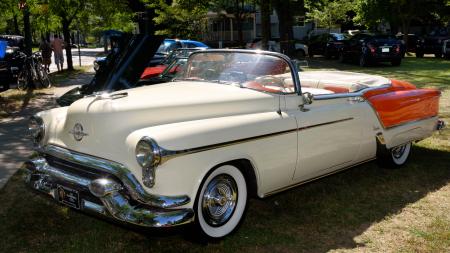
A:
(261, 82)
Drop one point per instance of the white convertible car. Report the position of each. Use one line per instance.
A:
(238, 124)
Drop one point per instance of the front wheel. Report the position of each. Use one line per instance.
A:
(394, 157)
(221, 201)
(300, 54)
(23, 80)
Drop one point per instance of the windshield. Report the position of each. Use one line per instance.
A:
(261, 72)
(339, 36)
(175, 69)
(168, 46)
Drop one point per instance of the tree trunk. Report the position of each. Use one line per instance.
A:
(238, 11)
(283, 9)
(265, 24)
(27, 31)
(16, 25)
(66, 34)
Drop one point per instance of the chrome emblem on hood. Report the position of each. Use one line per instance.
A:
(77, 132)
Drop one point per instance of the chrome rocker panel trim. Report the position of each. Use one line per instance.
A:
(135, 189)
(43, 177)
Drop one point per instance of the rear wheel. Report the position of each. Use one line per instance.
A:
(43, 77)
(363, 62)
(394, 157)
(419, 54)
(341, 57)
(438, 55)
(396, 62)
(300, 54)
(221, 202)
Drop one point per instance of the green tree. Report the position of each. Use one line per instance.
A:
(180, 18)
(67, 11)
(328, 13)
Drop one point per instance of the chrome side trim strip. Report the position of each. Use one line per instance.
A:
(315, 178)
(324, 124)
(411, 122)
(167, 155)
(135, 189)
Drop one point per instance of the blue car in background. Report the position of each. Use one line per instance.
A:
(168, 45)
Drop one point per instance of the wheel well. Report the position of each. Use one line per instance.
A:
(246, 167)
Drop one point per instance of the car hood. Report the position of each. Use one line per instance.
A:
(111, 119)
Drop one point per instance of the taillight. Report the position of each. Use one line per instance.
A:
(372, 49)
(397, 49)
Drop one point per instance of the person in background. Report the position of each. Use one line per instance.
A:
(46, 51)
(57, 46)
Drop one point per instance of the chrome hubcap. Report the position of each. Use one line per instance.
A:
(219, 200)
(397, 152)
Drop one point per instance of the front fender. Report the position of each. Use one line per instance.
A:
(241, 137)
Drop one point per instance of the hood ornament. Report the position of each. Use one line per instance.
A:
(77, 132)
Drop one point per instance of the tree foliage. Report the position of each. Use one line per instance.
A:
(329, 13)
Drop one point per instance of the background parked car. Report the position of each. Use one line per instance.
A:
(327, 44)
(409, 44)
(432, 44)
(10, 63)
(370, 48)
(169, 45)
(301, 50)
(175, 55)
(446, 49)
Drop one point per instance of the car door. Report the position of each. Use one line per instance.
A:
(329, 134)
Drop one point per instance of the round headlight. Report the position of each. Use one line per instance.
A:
(36, 128)
(147, 153)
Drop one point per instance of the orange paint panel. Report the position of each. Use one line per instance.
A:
(405, 104)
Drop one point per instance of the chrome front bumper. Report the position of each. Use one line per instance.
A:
(105, 188)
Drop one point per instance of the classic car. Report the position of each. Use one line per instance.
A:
(431, 44)
(327, 44)
(367, 48)
(10, 63)
(237, 124)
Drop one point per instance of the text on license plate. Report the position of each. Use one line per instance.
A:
(68, 196)
(385, 50)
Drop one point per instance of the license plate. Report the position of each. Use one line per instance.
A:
(69, 197)
(385, 50)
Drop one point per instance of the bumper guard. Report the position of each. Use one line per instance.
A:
(115, 195)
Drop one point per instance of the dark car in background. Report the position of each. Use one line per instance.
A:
(432, 44)
(327, 44)
(409, 42)
(366, 48)
(10, 62)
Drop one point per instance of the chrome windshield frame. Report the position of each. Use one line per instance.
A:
(294, 70)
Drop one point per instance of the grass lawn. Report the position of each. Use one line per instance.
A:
(13, 101)
(362, 209)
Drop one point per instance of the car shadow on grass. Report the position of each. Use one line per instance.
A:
(317, 217)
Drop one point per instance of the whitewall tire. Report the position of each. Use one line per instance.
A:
(221, 201)
(400, 154)
(394, 157)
